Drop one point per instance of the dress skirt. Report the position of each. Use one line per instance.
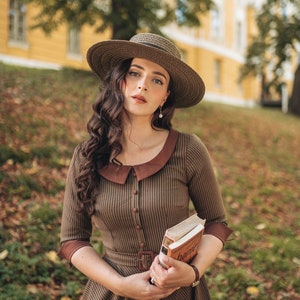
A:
(94, 291)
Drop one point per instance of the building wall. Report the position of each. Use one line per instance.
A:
(42, 48)
(204, 48)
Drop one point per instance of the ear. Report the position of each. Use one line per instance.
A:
(168, 94)
(165, 99)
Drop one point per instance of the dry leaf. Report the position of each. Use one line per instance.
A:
(296, 261)
(31, 288)
(252, 290)
(3, 254)
(260, 226)
(51, 255)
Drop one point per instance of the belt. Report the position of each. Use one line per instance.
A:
(142, 259)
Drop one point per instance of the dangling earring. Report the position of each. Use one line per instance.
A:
(160, 112)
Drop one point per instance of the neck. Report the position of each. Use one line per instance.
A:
(137, 131)
(137, 136)
(140, 142)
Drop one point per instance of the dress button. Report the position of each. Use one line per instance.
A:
(135, 192)
(135, 210)
(142, 245)
(138, 227)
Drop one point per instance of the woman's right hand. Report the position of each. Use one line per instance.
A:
(138, 287)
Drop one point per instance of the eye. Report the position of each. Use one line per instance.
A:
(158, 81)
(133, 73)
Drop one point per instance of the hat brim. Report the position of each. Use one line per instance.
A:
(188, 87)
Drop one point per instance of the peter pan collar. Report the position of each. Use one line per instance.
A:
(119, 173)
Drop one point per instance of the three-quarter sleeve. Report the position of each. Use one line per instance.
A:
(76, 225)
(204, 189)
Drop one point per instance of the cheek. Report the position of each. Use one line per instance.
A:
(165, 95)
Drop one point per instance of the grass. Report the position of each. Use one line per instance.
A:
(255, 152)
(256, 155)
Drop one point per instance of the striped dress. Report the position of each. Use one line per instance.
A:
(136, 204)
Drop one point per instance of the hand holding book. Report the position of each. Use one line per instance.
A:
(182, 240)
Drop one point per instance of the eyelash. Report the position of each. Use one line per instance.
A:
(158, 81)
(136, 74)
(133, 73)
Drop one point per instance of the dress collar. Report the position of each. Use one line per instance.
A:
(119, 173)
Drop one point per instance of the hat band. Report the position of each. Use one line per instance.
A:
(157, 47)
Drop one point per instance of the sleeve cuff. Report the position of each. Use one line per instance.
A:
(68, 248)
(219, 230)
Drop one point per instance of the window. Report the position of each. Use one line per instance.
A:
(74, 41)
(239, 35)
(216, 30)
(17, 21)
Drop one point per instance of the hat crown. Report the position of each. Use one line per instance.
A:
(156, 41)
(188, 87)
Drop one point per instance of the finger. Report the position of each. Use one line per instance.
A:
(167, 261)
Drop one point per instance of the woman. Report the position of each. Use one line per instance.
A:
(133, 178)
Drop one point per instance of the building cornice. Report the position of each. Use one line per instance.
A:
(205, 44)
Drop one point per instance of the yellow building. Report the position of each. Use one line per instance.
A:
(215, 50)
(21, 45)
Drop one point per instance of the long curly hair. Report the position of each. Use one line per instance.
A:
(105, 131)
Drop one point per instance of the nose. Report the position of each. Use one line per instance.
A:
(142, 85)
(142, 88)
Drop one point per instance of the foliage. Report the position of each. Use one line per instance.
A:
(278, 23)
(256, 156)
(124, 18)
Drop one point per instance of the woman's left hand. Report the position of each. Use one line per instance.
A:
(178, 274)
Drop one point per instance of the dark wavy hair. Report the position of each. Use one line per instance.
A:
(105, 130)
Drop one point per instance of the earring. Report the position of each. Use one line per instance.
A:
(160, 112)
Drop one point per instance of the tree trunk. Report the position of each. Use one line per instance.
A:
(294, 103)
(125, 23)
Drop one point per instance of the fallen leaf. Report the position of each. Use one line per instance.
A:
(31, 288)
(3, 254)
(51, 255)
(10, 161)
(252, 290)
(25, 148)
(260, 226)
(296, 261)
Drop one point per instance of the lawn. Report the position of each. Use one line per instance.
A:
(43, 115)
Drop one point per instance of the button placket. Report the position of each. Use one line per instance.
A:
(136, 214)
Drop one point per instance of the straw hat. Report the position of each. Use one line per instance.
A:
(188, 87)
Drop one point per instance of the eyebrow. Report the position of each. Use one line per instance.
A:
(155, 72)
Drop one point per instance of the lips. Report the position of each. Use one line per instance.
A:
(139, 98)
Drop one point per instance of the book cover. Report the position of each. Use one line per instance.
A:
(182, 240)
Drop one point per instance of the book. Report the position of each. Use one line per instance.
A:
(182, 240)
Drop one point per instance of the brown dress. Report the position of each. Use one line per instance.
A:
(136, 204)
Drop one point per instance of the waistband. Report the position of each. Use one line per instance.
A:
(141, 259)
